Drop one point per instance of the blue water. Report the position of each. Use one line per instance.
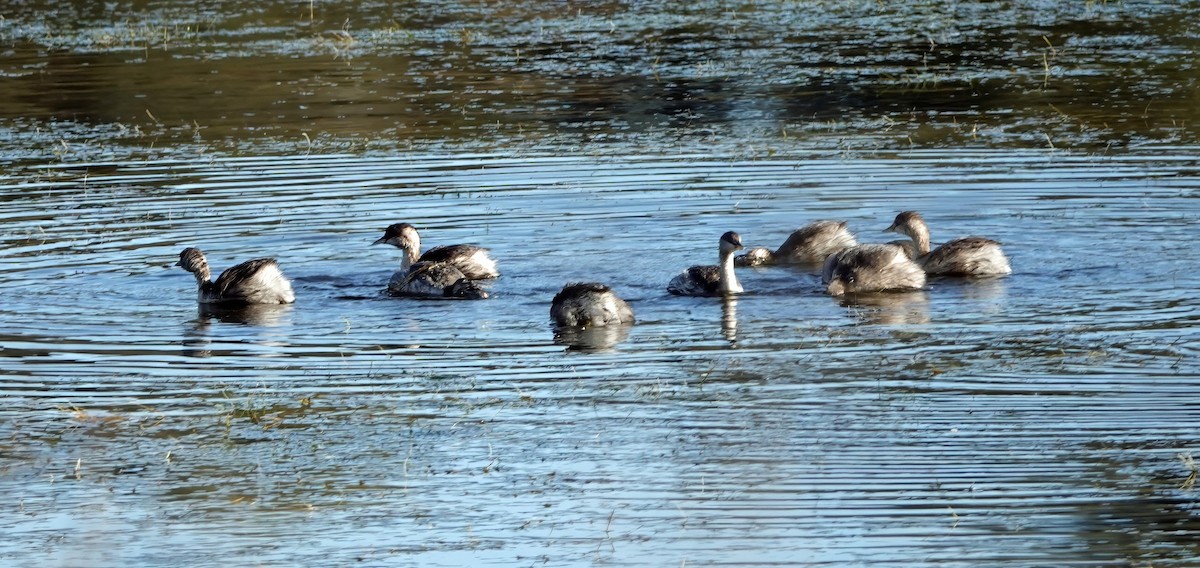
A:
(1034, 419)
(1043, 419)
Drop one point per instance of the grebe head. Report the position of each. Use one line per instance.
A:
(465, 289)
(841, 281)
(192, 260)
(837, 287)
(756, 256)
(906, 223)
(841, 275)
(400, 235)
(730, 242)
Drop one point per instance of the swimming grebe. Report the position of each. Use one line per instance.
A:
(473, 261)
(589, 304)
(871, 268)
(810, 244)
(970, 256)
(257, 281)
(435, 279)
(711, 280)
(906, 245)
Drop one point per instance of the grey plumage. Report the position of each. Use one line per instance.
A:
(257, 281)
(871, 268)
(473, 261)
(810, 244)
(589, 304)
(697, 281)
(435, 279)
(711, 280)
(969, 256)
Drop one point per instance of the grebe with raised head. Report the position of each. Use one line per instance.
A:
(969, 256)
(711, 280)
(257, 281)
(475, 262)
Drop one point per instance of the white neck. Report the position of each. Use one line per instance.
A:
(202, 273)
(920, 235)
(729, 281)
(410, 256)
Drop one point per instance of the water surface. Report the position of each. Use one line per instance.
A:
(1047, 418)
(1032, 419)
(153, 79)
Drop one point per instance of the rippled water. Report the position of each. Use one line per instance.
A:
(1035, 419)
(125, 80)
(1044, 419)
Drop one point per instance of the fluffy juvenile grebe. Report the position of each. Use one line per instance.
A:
(257, 281)
(906, 245)
(810, 244)
(871, 268)
(435, 279)
(473, 261)
(711, 280)
(589, 304)
(969, 256)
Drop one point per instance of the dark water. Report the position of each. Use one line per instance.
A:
(151, 79)
(1047, 418)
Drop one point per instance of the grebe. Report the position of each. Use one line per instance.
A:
(589, 304)
(435, 279)
(970, 256)
(906, 245)
(871, 268)
(810, 244)
(711, 280)
(473, 261)
(257, 281)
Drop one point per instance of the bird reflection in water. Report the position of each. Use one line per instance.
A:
(197, 341)
(729, 318)
(985, 289)
(982, 296)
(591, 339)
(261, 315)
(889, 308)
